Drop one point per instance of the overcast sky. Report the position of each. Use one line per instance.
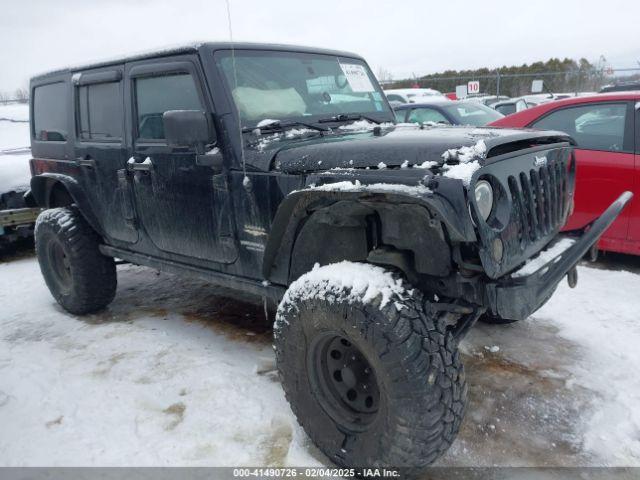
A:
(402, 36)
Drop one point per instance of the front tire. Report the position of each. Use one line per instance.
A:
(79, 277)
(375, 382)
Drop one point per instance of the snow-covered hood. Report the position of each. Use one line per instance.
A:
(395, 146)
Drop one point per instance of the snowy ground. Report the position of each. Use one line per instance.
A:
(172, 374)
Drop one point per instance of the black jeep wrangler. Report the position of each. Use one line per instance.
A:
(278, 172)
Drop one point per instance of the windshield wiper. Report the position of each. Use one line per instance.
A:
(278, 125)
(343, 117)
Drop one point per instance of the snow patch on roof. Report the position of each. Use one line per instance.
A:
(125, 57)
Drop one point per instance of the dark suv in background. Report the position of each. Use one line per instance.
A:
(278, 172)
(447, 112)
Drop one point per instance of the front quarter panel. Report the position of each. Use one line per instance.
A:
(445, 202)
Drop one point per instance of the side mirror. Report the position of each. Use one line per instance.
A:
(187, 128)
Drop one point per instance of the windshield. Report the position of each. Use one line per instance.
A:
(292, 86)
(471, 113)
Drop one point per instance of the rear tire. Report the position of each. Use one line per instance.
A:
(79, 277)
(405, 392)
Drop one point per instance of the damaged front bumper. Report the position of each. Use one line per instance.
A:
(517, 296)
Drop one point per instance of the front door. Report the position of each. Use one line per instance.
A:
(604, 159)
(181, 206)
(634, 222)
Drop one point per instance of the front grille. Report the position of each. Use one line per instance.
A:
(540, 199)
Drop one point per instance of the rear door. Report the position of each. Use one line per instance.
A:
(604, 156)
(100, 149)
(182, 206)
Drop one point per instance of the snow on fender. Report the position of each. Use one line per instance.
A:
(365, 282)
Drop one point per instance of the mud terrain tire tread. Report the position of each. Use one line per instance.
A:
(93, 275)
(410, 349)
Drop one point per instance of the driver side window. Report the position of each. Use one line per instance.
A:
(156, 95)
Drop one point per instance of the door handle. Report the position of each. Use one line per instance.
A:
(144, 166)
(85, 162)
(213, 160)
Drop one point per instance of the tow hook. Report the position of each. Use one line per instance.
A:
(572, 277)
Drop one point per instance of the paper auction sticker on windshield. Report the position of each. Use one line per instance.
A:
(357, 77)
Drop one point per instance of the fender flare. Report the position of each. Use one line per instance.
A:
(295, 209)
(42, 185)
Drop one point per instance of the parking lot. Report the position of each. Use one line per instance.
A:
(172, 373)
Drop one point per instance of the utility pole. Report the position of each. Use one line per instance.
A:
(497, 83)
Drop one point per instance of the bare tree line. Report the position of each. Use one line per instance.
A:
(20, 95)
(559, 75)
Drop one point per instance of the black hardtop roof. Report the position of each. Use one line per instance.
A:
(194, 48)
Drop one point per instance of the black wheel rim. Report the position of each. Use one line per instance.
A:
(343, 381)
(60, 266)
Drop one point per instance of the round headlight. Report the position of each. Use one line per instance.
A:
(484, 198)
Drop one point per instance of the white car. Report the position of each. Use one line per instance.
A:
(510, 106)
(16, 220)
(413, 95)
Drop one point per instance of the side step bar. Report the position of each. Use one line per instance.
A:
(225, 280)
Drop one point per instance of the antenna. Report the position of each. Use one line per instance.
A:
(246, 182)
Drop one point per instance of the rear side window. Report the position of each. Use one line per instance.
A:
(156, 95)
(593, 127)
(50, 109)
(100, 111)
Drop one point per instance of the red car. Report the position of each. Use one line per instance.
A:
(606, 128)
